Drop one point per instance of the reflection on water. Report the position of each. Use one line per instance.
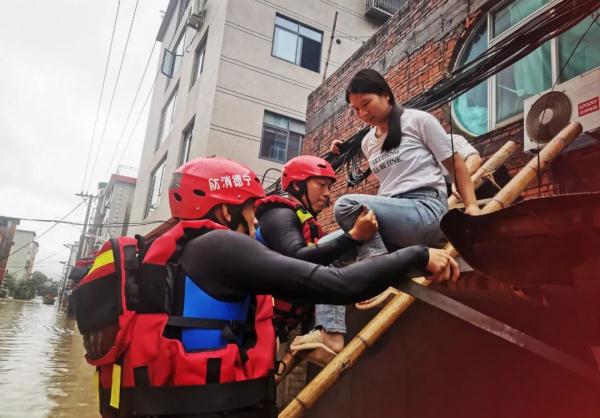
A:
(42, 369)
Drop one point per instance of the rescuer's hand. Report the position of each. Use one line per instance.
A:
(335, 146)
(365, 226)
(442, 266)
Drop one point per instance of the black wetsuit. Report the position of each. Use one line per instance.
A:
(282, 231)
(228, 265)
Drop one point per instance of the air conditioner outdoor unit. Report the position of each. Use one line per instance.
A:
(548, 112)
(198, 14)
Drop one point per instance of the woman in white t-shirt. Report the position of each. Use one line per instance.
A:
(404, 149)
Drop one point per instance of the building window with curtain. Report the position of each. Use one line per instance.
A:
(186, 143)
(281, 138)
(166, 118)
(499, 99)
(155, 188)
(297, 43)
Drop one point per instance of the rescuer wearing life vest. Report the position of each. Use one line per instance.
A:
(290, 227)
(224, 282)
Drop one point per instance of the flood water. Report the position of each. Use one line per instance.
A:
(42, 369)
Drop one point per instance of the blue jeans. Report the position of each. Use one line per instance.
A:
(407, 219)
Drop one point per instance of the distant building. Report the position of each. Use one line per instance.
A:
(113, 210)
(8, 227)
(24, 250)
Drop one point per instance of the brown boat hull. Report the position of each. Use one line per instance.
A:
(550, 240)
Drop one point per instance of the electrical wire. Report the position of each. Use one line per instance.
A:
(90, 225)
(549, 24)
(143, 106)
(45, 232)
(98, 152)
(539, 173)
(131, 110)
(112, 37)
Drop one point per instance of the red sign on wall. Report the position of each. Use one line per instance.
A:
(588, 106)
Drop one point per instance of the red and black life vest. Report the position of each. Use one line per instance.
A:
(124, 311)
(289, 313)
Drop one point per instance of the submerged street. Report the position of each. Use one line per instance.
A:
(42, 369)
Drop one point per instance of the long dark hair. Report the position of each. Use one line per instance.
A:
(370, 81)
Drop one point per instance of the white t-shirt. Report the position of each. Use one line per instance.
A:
(415, 163)
(464, 149)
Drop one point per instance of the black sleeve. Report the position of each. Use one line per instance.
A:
(282, 230)
(229, 264)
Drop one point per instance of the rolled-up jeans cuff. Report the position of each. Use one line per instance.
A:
(332, 318)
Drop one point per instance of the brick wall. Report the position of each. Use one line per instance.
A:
(414, 50)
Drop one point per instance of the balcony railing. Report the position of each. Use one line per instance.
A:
(382, 10)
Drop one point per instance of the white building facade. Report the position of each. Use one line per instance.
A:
(24, 249)
(236, 85)
(113, 209)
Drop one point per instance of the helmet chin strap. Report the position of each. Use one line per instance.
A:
(300, 193)
(237, 218)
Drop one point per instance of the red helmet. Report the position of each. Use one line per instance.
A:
(202, 183)
(304, 166)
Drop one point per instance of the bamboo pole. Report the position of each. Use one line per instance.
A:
(399, 303)
(530, 171)
(491, 164)
(487, 168)
(496, 160)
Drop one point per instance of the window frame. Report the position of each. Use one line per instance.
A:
(297, 60)
(160, 166)
(488, 20)
(287, 144)
(172, 99)
(201, 46)
(187, 136)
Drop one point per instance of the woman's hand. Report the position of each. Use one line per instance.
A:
(335, 146)
(442, 266)
(365, 226)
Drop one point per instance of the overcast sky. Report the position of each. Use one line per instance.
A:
(52, 60)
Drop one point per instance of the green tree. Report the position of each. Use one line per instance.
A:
(38, 279)
(9, 283)
(38, 284)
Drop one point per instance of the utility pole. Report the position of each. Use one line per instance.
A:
(68, 266)
(85, 222)
(330, 44)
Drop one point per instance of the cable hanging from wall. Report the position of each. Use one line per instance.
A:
(552, 22)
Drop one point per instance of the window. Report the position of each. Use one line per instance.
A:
(297, 43)
(166, 118)
(586, 56)
(199, 60)
(155, 189)
(184, 155)
(500, 98)
(281, 138)
(172, 58)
